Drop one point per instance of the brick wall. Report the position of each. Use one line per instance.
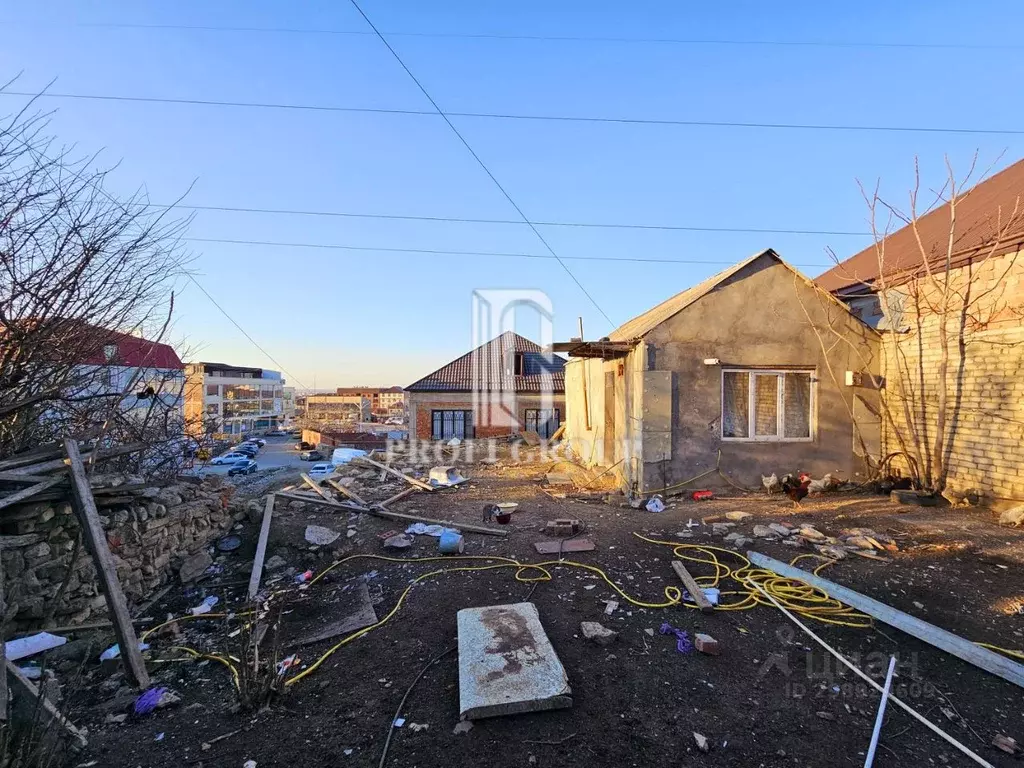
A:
(487, 422)
(986, 401)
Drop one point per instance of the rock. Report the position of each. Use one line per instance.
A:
(702, 742)
(597, 633)
(858, 542)
(463, 726)
(719, 529)
(811, 533)
(764, 532)
(115, 719)
(75, 651)
(705, 644)
(742, 542)
(833, 552)
(195, 566)
(825, 715)
(1012, 516)
(1006, 744)
(779, 528)
(738, 517)
(398, 541)
(274, 563)
(321, 536)
(733, 536)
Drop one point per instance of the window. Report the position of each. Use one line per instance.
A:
(212, 390)
(543, 421)
(767, 405)
(446, 425)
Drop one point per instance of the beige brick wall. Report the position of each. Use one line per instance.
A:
(986, 400)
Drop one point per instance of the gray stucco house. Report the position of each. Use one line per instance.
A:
(756, 363)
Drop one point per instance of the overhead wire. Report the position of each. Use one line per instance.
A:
(480, 162)
(533, 37)
(526, 117)
(496, 254)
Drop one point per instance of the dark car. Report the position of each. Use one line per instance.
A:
(311, 455)
(248, 450)
(257, 441)
(243, 467)
(304, 446)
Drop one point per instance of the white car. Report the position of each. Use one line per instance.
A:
(229, 458)
(320, 470)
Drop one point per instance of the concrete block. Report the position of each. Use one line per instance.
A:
(507, 665)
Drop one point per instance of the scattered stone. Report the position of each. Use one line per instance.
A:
(825, 715)
(463, 726)
(195, 566)
(833, 552)
(1012, 516)
(275, 563)
(684, 534)
(738, 517)
(705, 644)
(919, 605)
(1006, 744)
(764, 532)
(779, 528)
(812, 533)
(115, 719)
(321, 536)
(597, 633)
(649, 631)
(720, 529)
(702, 742)
(610, 607)
(859, 542)
(742, 542)
(398, 541)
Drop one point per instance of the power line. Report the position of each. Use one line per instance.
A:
(538, 38)
(493, 254)
(481, 163)
(524, 117)
(515, 222)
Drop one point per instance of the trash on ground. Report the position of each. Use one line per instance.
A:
(24, 647)
(399, 722)
(114, 651)
(702, 742)
(417, 727)
(610, 607)
(525, 675)
(206, 606)
(422, 529)
(155, 698)
(287, 663)
(229, 543)
(451, 543)
(655, 504)
(398, 541)
(345, 455)
(1006, 744)
(563, 527)
(683, 644)
(302, 578)
(320, 536)
(702, 495)
(445, 477)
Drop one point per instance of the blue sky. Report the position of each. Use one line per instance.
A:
(367, 317)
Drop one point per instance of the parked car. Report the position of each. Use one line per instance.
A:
(257, 441)
(243, 467)
(302, 445)
(249, 450)
(320, 470)
(229, 458)
(311, 455)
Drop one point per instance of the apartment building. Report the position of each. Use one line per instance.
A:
(384, 401)
(232, 399)
(356, 406)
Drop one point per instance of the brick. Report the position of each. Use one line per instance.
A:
(706, 644)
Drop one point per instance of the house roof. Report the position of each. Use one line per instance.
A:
(130, 351)
(643, 324)
(980, 212)
(486, 368)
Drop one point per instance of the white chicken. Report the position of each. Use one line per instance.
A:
(770, 482)
(827, 483)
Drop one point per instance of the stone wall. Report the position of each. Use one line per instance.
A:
(149, 531)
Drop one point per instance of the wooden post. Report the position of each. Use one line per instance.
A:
(399, 496)
(96, 542)
(346, 492)
(983, 658)
(395, 472)
(3, 647)
(316, 487)
(36, 706)
(261, 548)
(692, 587)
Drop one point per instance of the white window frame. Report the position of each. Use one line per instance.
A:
(780, 411)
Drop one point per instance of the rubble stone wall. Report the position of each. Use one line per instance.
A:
(149, 531)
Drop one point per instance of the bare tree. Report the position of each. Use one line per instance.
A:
(936, 302)
(77, 265)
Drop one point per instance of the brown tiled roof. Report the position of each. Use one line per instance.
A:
(980, 212)
(652, 318)
(486, 369)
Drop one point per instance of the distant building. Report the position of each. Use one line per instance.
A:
(384, 401)
(288, 402)
(338, 407)
(231, 399)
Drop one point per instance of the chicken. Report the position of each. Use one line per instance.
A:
(794, 489)
(770, 482)
(826, 484)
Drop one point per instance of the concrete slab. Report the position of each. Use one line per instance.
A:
(569, 545)
(507, 665)
(310, 622)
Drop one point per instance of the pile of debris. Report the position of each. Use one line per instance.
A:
(864, 542)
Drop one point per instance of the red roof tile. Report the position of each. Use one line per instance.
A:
(980, 212)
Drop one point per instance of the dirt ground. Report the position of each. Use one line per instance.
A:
(772, 698)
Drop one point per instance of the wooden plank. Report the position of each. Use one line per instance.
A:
(25, 697)
(17, 477)
(398, 496)
(28, 493)
(563, 547)
(96, 542)
(991, 662)
(31, 457)
(3, 646)
(316, 487)
(346, 492)
(692, 587)
(310, 499)
(61, 465)
(261, 548)
(396, 473)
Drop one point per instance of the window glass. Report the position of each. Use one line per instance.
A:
(735, 404)
(766, 405)
(797, 400)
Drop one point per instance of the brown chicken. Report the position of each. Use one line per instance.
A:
(796, 489)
